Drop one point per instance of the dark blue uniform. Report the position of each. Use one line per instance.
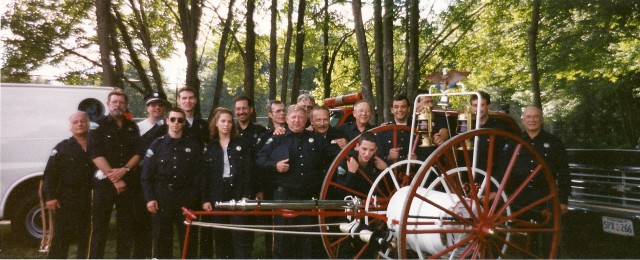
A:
(483, 143)
(554, 153)
(67, 178)
(350, 130)
(117, 145)
(386, 140)
(331, 146)
(216, 187)
(171, 176)
(306, 154)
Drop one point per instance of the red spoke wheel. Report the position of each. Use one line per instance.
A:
(505, 212)
(380, 190)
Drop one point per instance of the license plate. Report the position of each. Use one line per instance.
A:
(617, 226)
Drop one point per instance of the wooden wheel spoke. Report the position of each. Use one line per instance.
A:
(449, 212)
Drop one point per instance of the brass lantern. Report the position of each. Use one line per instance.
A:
(425, 126)
(465, 124)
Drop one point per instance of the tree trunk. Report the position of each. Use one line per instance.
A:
(287, 51)
(222, 58)
(533, 54)
(103, 18)
(363, 52)
(413, 65)
(387, 38)
(190, 13)
(143, 34)
(297, 69)
(250, 60)
(326, 80)
(273, 51)
(378, 72)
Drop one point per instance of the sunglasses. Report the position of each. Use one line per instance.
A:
(179, 119)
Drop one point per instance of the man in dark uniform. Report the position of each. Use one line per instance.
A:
(195, 126)
(363, 160)
(243, 107)
(480, 107)
(552, 149)
(297, 157)
(114, 149)
(362, 113)
(307, 101)
(150, 129)
(400, 109)
(67, 190)
(264, 184)
(170, 179)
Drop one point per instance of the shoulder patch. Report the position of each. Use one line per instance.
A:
(269, 141)
(160, 122)
(149, 153)
(53, 152)
(93, 126)
(341, 171)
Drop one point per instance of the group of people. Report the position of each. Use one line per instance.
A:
(174, 159)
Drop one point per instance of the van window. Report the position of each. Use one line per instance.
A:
(92, 107)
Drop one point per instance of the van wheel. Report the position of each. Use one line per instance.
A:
(27, 223)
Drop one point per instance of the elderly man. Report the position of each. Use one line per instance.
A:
(308, 102)
(362, 113)
(67, 189)
(297, 158)
(553, 151)
(114, 149)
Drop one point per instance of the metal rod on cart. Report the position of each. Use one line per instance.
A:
(286, 204)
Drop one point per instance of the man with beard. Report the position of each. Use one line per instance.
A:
(297, 158)
(114, 149)
(250, 131)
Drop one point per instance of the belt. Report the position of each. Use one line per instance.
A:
(172, 186)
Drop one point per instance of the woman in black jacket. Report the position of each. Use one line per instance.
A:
(227, 176)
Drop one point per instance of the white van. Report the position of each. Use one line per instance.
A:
(33, 119)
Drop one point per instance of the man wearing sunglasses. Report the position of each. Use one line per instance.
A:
(170, 171)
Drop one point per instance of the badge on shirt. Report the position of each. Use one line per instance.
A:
(149, 153)
(255, 135)
(546, 145)
(188, 150)
(311, 140)
(238, 148)
(54, 152)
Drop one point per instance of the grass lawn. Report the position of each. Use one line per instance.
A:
(15, 248)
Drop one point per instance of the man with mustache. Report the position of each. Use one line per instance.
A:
(322, 126)
(114, 149)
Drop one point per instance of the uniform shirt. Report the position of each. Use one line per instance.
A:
(307, 158)
(68, 174)
(483, 142)
(172, 164)
(331, 146)
(149, 132)
(240, 156)
(252, 133)
(555, 155)
(351, 131)
(116, 144)
(198, 130)
(385, 141)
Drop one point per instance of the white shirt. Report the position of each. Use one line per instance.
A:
(145, 126)
(226, 169)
